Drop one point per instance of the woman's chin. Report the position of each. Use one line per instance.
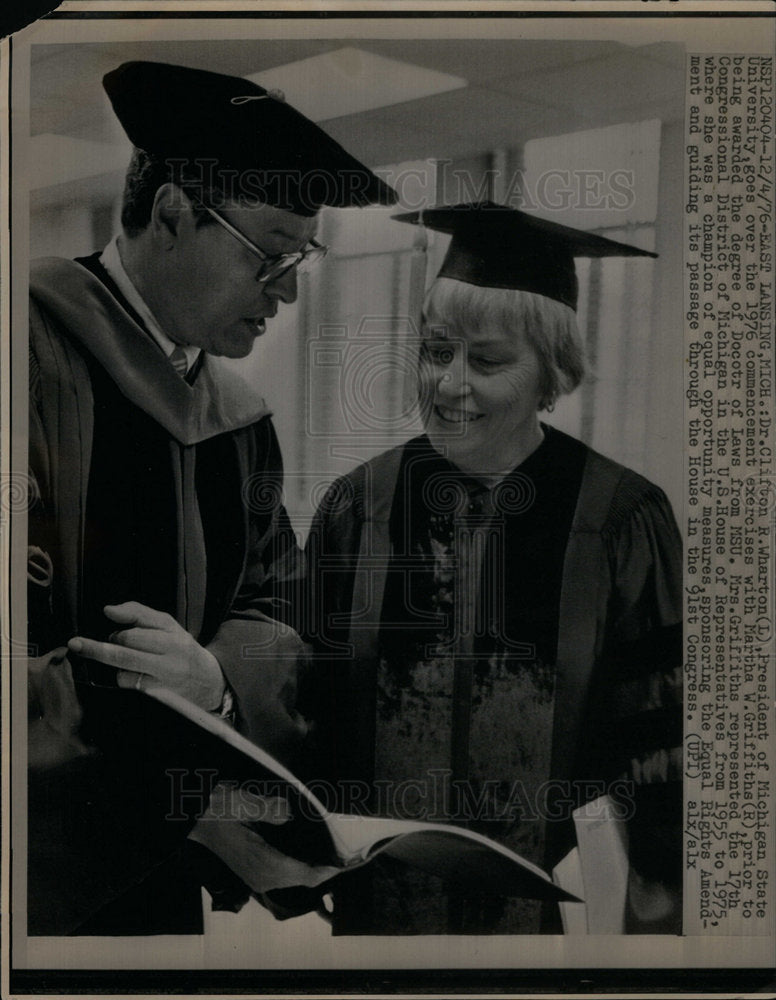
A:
(460, 449)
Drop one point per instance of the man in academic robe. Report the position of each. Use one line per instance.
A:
(158, 546)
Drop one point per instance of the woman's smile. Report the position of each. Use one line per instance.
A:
(456, 416)
(484, 389)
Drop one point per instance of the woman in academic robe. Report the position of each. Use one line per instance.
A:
(497, 608)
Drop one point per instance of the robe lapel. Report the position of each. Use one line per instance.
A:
(581, 618)
(219, 401)
(368, 592)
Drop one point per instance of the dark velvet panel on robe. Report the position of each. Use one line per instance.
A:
(513, 610)
(528, 545)
(131, 554)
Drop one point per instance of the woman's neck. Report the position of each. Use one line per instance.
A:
(490, 473)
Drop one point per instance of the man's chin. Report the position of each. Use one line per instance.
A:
(236, 354)
(234, 350)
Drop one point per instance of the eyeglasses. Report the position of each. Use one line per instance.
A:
(274, 266)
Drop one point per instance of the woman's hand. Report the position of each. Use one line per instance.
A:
(223, 830)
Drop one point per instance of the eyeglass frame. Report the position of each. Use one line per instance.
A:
(275, 264)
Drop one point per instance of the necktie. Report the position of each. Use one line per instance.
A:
(179, 362)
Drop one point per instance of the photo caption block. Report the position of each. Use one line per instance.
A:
(729, 515)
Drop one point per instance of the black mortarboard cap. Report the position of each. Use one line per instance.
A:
(496, 246)
(237, 136)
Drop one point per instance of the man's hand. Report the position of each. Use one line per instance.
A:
(153, 643)
(223, 830)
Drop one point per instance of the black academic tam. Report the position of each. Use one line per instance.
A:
(236, 136)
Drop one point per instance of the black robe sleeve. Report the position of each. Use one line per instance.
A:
(638, 731)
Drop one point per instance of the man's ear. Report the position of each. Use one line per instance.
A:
(171, 213)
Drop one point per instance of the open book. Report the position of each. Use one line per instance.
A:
(470, 861)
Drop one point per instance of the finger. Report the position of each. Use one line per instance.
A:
(114, 656)
(257, 863)
(221, 804)
(144, 640)
(134, 613)
(234, 803)
(131, 681)
(270, 809)
(275, 870)
(319, 874)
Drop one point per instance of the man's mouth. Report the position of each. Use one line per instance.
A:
(259, 322)
(456, 416)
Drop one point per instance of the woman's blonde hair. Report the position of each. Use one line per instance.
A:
(550, 326)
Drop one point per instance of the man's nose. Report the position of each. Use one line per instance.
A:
(283, 287)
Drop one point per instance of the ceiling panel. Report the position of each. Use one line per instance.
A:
(614, 82)
(518, 90)
(480, 60)
(667, 53)
(455, 124)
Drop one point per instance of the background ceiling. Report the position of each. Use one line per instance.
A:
(516, 90)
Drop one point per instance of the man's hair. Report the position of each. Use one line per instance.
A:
(550, 327)
(207, 182)
(145, 175)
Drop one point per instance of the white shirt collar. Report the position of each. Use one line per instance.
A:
(111, 261)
